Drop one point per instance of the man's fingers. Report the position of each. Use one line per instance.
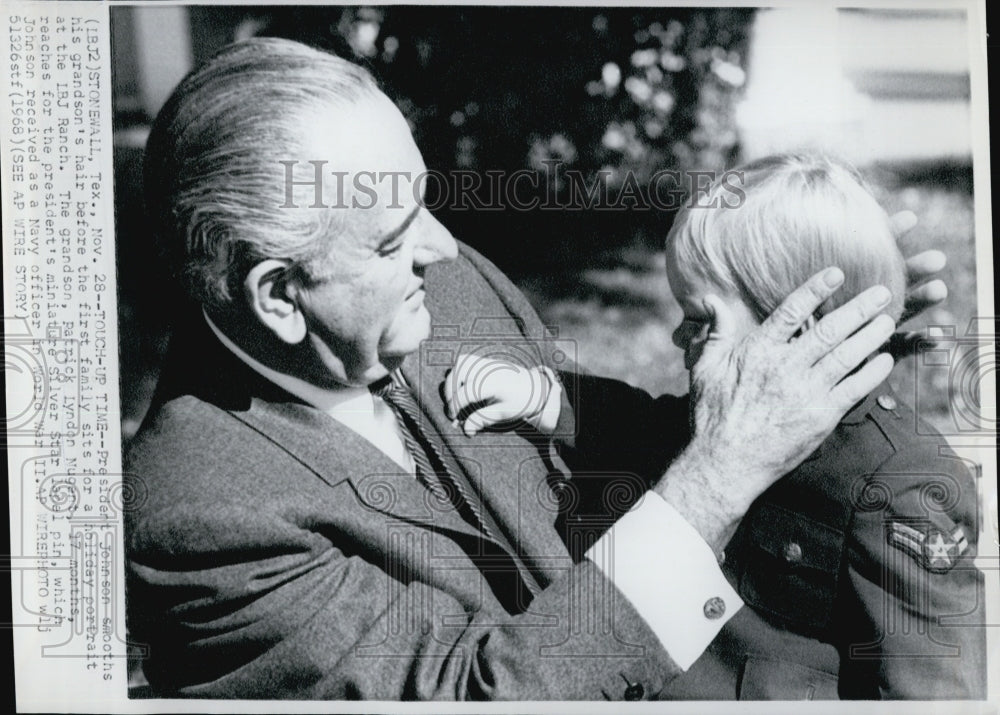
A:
(923, 265)
(852, 389)
(834, 327)
(933, 292)
(788, 317)
(846, 356)
(901, 222)
(903, 345)
(722, 331)
(923, 297)
(922, 292)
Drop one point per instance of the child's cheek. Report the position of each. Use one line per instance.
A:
(694, 349)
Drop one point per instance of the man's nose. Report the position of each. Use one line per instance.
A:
(435, 243)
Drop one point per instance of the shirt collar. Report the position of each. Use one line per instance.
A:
(345, 398)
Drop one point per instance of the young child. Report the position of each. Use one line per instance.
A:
(856, 567)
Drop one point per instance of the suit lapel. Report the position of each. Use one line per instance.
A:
(503, 468)
(201, 366)
(334, 452)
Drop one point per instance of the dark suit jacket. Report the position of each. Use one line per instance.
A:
(278, 554)
(844, 598)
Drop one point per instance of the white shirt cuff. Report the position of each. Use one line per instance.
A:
(547, 419)
(669, 575)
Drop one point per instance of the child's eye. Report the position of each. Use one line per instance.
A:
(390, 249)
(689, 329)
(694, 323)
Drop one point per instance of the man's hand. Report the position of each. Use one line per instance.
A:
(486, 392)
(763, 403)
(923, 291)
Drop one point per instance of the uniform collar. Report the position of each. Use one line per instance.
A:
(860, 411)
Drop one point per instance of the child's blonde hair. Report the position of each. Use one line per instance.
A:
(798, 214)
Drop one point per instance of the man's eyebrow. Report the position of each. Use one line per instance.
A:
(396, 232)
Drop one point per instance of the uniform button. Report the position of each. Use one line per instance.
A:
(886, 402)
(715, 608)
(793, 552)
(635, 691)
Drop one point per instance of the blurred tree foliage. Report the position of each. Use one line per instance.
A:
(607, 92)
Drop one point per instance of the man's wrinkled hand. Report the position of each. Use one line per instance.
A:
(922, 293)
(922, 290)
(762, 403)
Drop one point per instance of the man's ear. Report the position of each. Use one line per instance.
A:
(272, 300)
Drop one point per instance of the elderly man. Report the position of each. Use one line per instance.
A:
(315, 525)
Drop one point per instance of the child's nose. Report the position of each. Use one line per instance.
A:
(683, 335)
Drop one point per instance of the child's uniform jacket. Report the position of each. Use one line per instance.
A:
(856, 568)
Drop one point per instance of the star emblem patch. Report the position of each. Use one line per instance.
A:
(935, 550)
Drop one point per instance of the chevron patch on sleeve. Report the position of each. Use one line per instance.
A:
(935, 550)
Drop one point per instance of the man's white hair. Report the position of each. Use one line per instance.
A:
(214, 183)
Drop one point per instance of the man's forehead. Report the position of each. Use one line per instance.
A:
(369, 134)
(365, 160)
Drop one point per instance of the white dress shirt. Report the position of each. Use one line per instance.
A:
(652, 555)
(354, 407)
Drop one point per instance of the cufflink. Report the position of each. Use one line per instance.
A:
(715, 608)
(633, 691)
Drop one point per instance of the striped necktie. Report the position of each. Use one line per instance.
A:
(429, 457)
